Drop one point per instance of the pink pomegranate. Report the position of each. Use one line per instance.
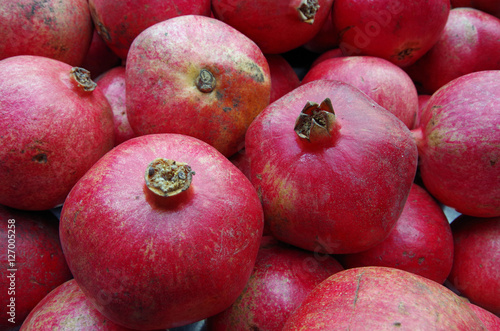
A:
(212, 91)
(332, 167)
(54, 125)
(458, 144)
(421, 242)
(283, 78)
(176, 238)
(489, 6)
(67, 308)
(395, 30)
(384, 82)
(381, 298)
(119, 22)
(282, 277)
(100, 58)
(33, 262)
(470, 42)
(476, 264)
(490, 320)
(60, 30)
(112, 84)
(276, 26)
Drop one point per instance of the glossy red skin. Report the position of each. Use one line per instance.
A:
(52, 131)
(161, 74)
(380, 298)
(489, 6)
(490, 320)
(398, 31)
(274, 25)
(421, 242)
(112, 84)
(60, 30)
(67, 308)
(458, 144)
(151, 263)
(120, 22)
(470, 42)
(39, 261)
(325, 40)
(282, 277)
(384, 82)
(340, 197)
(100, 58)
(477, 260)
(283, 78)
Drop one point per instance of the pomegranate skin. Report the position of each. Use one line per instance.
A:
(31, 240)
(490, 320)
(384, 82)
(120, 22)
(458, 144)
(381, 298)
(163, 74)
(52, 131)
(421, 242)
(470, 42)
(100, 58)
(283, 78)
(276, 26)
(344, 194)
(60, 30)
(488, 6)
(476, 264)
(149, 263)
(67, 308)
(398, 31)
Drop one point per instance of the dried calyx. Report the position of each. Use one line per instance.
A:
(307, 10)
(82, 78)
(317, 122)
(205, 82)
(166, 177)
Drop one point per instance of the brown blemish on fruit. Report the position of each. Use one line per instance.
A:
(82, 79)
(307, 10)
(40, 158)
(166, 177)
(205, 81)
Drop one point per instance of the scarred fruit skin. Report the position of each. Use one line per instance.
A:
(60, 30)
(52, 130)
(147, 261)
(197, 76)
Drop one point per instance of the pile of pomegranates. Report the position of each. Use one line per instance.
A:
(267, 165)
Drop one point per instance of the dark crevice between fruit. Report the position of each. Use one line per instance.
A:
(167, 178)
(307, 10)
(205, 82)
(317, 123)
(82, 78)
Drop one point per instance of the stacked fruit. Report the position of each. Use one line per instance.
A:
(237, 165)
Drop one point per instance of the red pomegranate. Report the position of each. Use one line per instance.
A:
(336, 52)
(395, 30)
(421, 242)
(384, 82)
(176, 239)
(119, 22)
(490, 320)
(204, 79)
(57, 29)
(332, 167)
(324, 40)
(276, 26)
(476, 264)
(282, 277)
(100, 58)
(423, 100)
(458, 144)
(67, 308)
(470, 42)
(381, 298)
(54, 125)
(489, 6)
(33, 262)
(112, 84)
(283, 78)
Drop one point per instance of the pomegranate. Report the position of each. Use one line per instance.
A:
(490, 320)
(395, 30)
(384, 82)
(489, 6)
(324, 40)
(470, 42)
(423, 100)
(112, 84)
(336, 52)
(54, 124)
(332, 167)
(458, 144)
(120, 22)
(282, 277)
(57, 29)
(276, 26)
(283, 78)
(476, 264)
(100, 58)
(212, 91)
(381, 298)
(158, 243)
(421, 242)
(33, 262)
(67, 308)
